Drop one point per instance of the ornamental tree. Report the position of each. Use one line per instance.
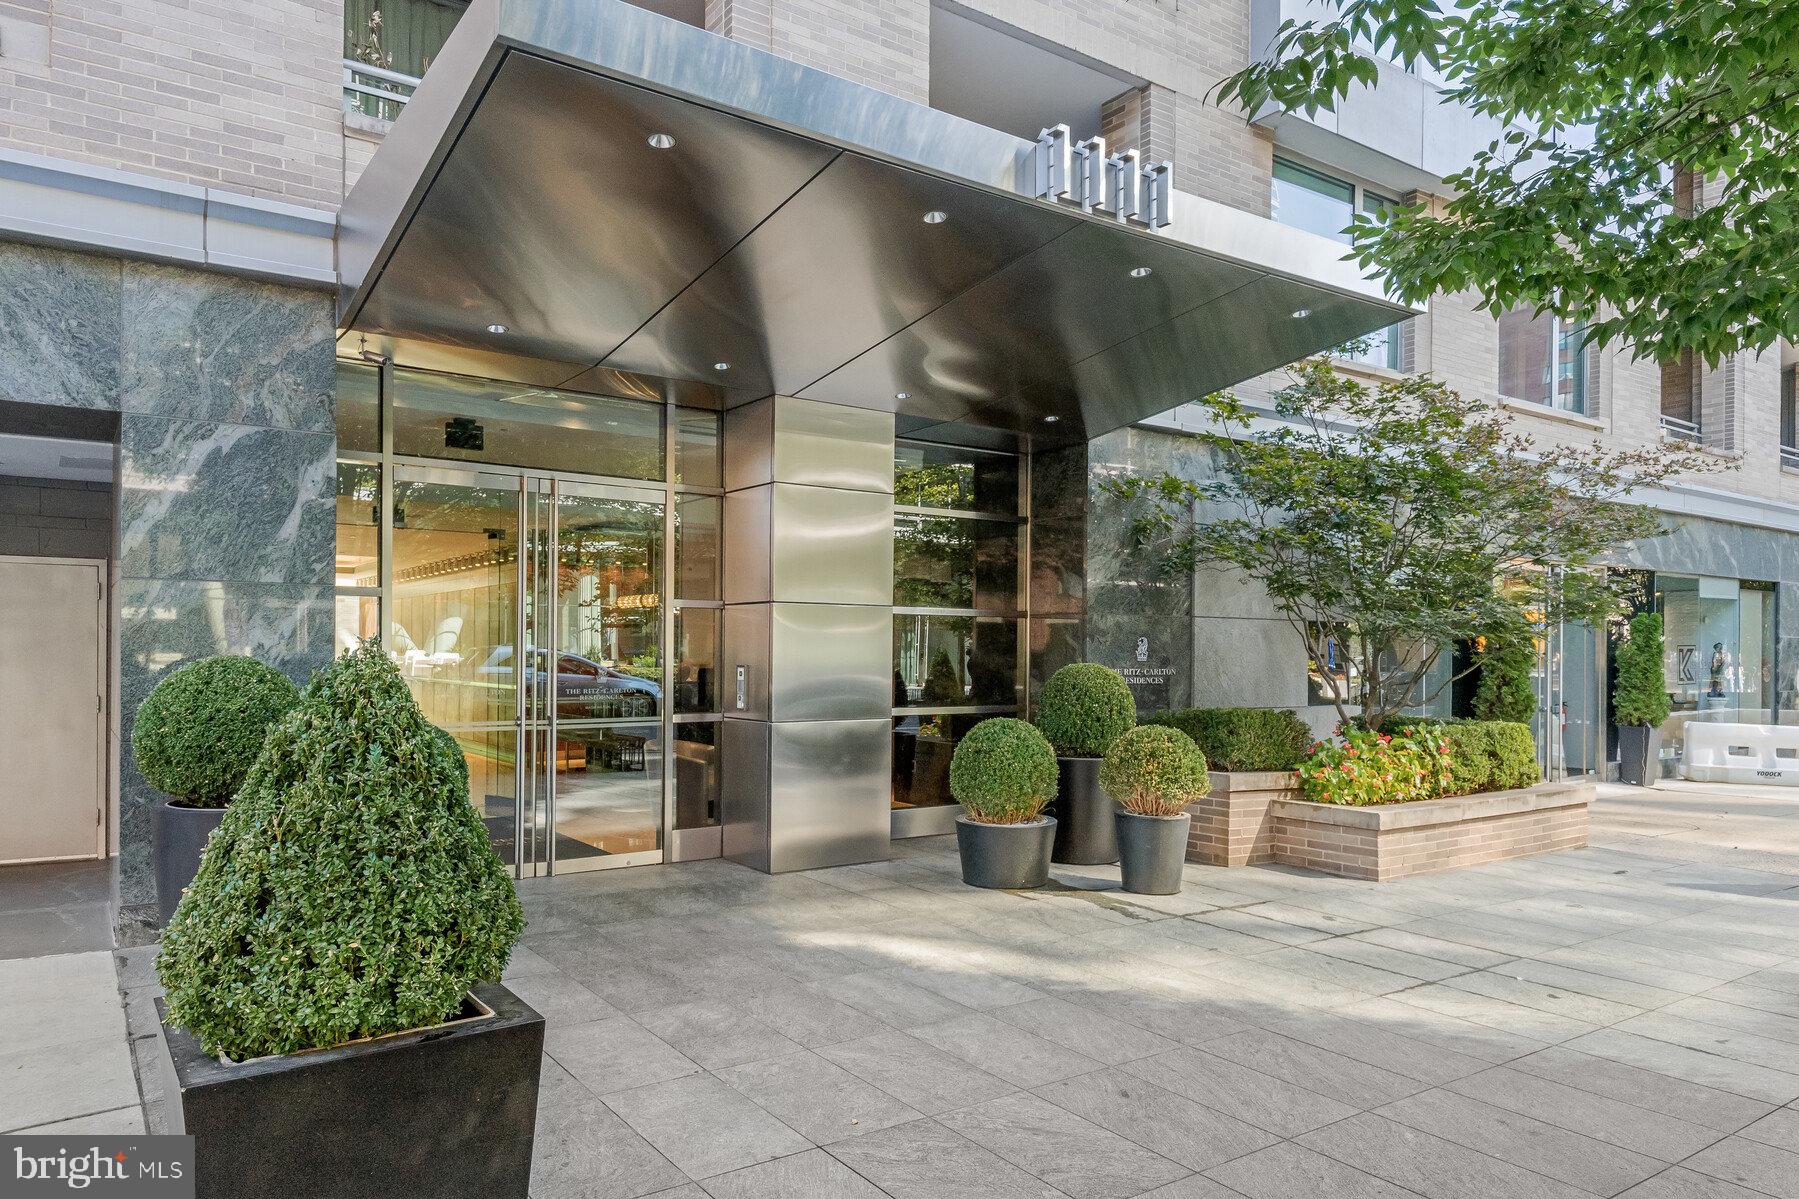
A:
(1389, 522)
(1585, 205)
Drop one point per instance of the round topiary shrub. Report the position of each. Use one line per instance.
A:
(1154, 770)
(199, 732)
(350, 891)
(1003, 772)
(1084, 708)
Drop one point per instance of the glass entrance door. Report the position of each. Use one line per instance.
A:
(528, 621)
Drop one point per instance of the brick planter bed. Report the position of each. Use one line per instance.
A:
(1232, 826)
(1396, 840)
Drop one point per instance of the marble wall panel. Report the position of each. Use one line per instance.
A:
(165, 624)
(214, 348)
(202, 500)
(59, 327)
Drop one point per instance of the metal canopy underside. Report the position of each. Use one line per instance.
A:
(783, 234)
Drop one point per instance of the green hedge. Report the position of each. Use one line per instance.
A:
(1485, 755)
(1244, 738)
(1154, 770)
(1003, 772)
(350, 890)
(198, 733)
(1084, 708)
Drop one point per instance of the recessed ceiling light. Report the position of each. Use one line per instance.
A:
(721, 366)
(1300, 314)
(902, 395)
(1139, 272)
(936, 217)
(1051, 419)
(496, 328)
(661, 141)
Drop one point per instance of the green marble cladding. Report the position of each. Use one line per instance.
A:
(60, 319)
(226, 390)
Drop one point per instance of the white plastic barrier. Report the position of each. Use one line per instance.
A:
(1741, 753)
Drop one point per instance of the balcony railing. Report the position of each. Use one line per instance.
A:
(1789, 457)
(1681, 430)
(375, 91)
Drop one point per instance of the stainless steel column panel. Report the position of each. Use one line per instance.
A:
(749, 433)
(830, 445)
(743, 801)
(827, 793)
(747, 648)
(830, 662)
(747, 517)
(829, 546)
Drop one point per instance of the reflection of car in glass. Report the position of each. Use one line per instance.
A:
(584, 688)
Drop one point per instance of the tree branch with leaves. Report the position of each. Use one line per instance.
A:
(1580, 206)
(1394, 520)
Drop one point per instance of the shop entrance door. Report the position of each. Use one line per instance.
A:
(528, 621)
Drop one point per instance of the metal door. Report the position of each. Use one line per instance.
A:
(52, 709)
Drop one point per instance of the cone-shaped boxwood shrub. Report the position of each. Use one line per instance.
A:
(350, 891)
(198, 733)
(1154, 770)
(1003, 772)
(1084, 708)
(1641, 694)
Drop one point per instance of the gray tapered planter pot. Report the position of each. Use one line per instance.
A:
(1151, 852)
(1639, 754)
(1005, 857)
(1085, 832)
(178, 836)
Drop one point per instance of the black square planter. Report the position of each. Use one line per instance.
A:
(447, 1112)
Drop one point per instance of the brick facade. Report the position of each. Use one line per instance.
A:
(220, 93)
(1399, 840)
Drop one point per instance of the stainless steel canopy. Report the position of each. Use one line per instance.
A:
(781, 237)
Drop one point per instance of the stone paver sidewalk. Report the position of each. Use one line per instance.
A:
(1620, 1020)
(1599, 1022)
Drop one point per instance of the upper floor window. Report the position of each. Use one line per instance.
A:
(1680, 397)
(1318, 203)
(1543, 360)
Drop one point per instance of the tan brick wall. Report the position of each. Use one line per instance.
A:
(212, 92)
(883, 44)
(1386, 854)
(1232, 826)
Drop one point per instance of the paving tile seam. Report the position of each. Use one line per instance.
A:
(1682, 1163)
(1325, 1152)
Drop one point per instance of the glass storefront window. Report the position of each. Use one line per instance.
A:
(608, 790)
(696, 775)
(696, 659)
(954, 562)
(510, 424)
(358, 619)
(609, 609)
(942, 476)
(1719, 654)
(922, 748)
(697, 547)
(358, 525)
(358, 407)
(697, 448)
(954, 661)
